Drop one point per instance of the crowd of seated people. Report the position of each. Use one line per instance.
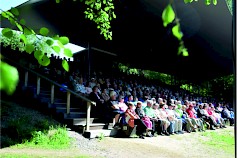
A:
(153, 109)
(158, 109)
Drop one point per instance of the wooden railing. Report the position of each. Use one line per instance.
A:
(53, 84)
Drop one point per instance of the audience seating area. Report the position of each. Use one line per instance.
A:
(132, 105)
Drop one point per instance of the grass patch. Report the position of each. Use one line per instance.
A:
(15, 156)
(24, 127)
(54, 138)
(221, 140)
(35, 156)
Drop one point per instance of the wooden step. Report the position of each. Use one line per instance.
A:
(100, 133)
(81, 121)
(63, 104)
(75, 115)
(64, 110)
(58, 104)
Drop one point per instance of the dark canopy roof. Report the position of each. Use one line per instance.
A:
(140, 39)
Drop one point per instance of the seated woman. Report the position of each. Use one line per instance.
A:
(164, 123)
(140, 112)
(105, 95)
(206, 117)
(98, 110)
(133, 119)
(122, 107)
(218, 117)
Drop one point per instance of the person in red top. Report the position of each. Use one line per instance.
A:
(195, 121)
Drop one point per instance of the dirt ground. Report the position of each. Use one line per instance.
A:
(177, 146)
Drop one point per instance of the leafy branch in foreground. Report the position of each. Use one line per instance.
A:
(102, 13)
(26, 40)
(168, 17)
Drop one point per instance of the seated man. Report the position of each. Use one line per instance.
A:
(226, 113)
(113, 109)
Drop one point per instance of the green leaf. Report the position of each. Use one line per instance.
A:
(9, 78)
(188, 1)
(168, 15)
(114, 16)
(185, 52)
(57, 1)
(10, 15)
(64, 40)
(4, 15)
(56, 37)
(15, 11)
(44, 61)
(44, 31)
(23, 38)
(22, 22)
(65, 65)
(68, 52)
(29, 48)
(176, 32)
(7, 32)
(180, 50)
(60, 44)
(28, 31)
(215, 2)
(207, 2)
(12, 21)
(50, 42)
(38, 54)
(56, 49)
(19, 26)
(106, 9)
(229, 5)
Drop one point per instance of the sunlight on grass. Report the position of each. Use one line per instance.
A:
(223, 140)
(30, 156)
(55, 138)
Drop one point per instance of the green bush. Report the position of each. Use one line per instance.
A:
(54, 138)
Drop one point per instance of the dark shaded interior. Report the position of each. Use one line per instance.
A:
(140, 39)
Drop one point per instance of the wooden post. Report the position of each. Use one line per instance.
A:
(89, 60)
(68, 102)
(52, 93)
(88, 116)
(38, 85)
(26, 78)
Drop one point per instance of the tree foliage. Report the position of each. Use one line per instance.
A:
(99, 11)
(27, 40)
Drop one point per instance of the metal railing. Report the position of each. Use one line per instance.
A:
(53, 83)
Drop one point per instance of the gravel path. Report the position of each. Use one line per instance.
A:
(177, 146)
